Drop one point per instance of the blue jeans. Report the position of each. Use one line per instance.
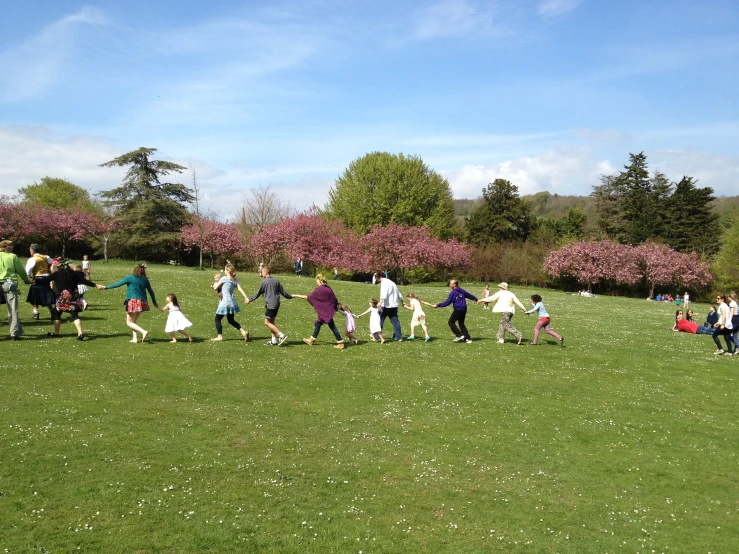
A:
(392, 313)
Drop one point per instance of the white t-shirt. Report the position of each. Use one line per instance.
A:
(389, 294)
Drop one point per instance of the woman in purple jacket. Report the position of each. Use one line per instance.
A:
(325, 304)
(458, 298)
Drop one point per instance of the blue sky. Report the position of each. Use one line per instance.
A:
(549, 94)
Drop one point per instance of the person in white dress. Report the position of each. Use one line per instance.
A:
(419, 316)
(176, 320)
(375, 326)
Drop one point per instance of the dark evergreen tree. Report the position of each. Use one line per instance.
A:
(503, 216)
(691, 225)
(153, 212)
(608, 197)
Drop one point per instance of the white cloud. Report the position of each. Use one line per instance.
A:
(449, 18)
(564, 170)
(554, 8)
(718, 171)
(29, 68)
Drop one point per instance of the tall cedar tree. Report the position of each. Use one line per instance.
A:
(381, 188)
(153, 212)
(503, 216)
(691, 224)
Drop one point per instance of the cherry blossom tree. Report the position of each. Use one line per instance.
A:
(591, 262)
(60, 225)
(403, 248)
(663, 266)
(14, 224)
(214, 237)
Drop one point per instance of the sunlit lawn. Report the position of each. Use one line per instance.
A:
(625, 440)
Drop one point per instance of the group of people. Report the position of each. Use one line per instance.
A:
(722, 321)
(60, 287)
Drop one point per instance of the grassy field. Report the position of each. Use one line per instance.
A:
(625, 440)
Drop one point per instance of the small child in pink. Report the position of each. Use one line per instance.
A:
(351, 327)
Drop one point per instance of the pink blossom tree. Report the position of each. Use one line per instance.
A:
(215, 238)
(14, 222)
(663, 266)
(403, 248)
(60, 225)
(591, 262)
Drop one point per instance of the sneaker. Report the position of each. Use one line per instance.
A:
(309, 341)
(411, 338)
(729, 354)
(339, 345)
(270, 343)
(501, 341)
(81, 337)
(562, 341)
(282, 338)
(459, 339)
(427, 339)
(468, 341)
(718, 352)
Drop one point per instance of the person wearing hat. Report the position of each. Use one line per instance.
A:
(39, 295)
(11, 269)
(505, 304)
(67, 281)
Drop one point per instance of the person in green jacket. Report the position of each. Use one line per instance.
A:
(11, 269)
(135, 302)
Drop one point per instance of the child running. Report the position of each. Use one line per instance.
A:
(176, 320)
(543, 320)
(81, 288)
(485, 294)
(375, 327)
(419, 317)
(351, 327)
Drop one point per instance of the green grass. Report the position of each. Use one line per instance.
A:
(623, 441)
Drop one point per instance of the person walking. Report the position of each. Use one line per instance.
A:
(544, 320)
(228, 307)
(505, 304)
(137, 285)
(723, 327)
(271, 289)
(11, 270)
(458, 299)
(67, 282)
(325, 304)
(390, 300)
(39, 295)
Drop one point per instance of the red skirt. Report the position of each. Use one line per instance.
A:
(134, 305)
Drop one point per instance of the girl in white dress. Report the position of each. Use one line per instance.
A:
(375, 327)
(419, 317)
(176, 320)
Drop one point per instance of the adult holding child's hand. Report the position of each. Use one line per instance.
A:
(136, 301)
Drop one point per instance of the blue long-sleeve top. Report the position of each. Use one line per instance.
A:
(457, 296)
(539, 307)
(137, 287)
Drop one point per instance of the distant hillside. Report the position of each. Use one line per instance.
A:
(553, 206)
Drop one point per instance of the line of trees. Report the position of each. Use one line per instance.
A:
(386, 210)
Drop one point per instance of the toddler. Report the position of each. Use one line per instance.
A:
(81, 288)
(86, 267)
(351, 327)
(176, 320)
(375, 328)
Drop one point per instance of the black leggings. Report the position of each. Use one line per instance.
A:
(718, 331)
(231, 321)
(331, 325)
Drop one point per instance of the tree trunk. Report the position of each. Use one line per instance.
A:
(105, 248)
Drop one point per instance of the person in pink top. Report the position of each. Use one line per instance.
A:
(325, 304)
